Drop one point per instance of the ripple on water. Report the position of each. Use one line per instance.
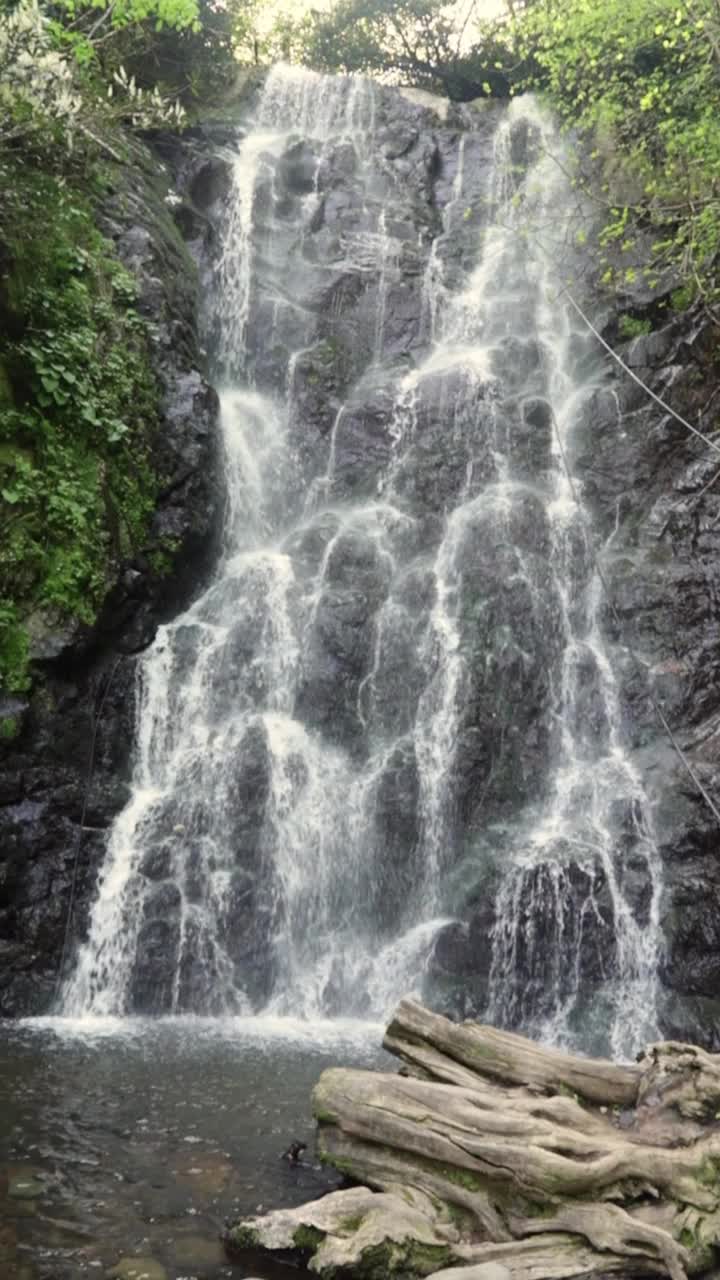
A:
(141, 1137)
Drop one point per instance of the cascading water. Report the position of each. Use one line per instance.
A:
(400, 653)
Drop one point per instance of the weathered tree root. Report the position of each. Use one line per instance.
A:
(551, 1164)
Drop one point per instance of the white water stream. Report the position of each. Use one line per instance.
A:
(252, 868)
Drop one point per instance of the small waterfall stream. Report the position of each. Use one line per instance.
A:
(401, 652)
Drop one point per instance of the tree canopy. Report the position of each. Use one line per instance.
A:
(424, 42)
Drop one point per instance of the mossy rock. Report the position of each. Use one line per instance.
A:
(308, 1238)
(243, 1237)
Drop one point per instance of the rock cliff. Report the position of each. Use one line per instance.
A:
(649, 487)
(65, 749)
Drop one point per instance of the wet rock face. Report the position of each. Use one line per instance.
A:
(565, 944)
(395, 871)
(79, 720)
(646, 476)
(366, 634)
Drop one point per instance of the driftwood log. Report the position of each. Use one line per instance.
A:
(550, 1164)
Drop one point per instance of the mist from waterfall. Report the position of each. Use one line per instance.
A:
(322, 735)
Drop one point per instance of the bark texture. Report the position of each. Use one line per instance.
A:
(552, 1164)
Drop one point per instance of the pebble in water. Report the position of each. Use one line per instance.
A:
(26, 1187)
(137, 1269)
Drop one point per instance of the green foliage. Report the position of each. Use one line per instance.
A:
(13, 649)
(308, 1238)
(76, 486)
(122, 13)
(632, 327)
(54, 97)
(406, 1257)
(8, 728)
(421, 42)
(193, 60)
(161, 559)
(244, 1237)
(681, 298)
(641, 78)
(85, 26)
(77, 398)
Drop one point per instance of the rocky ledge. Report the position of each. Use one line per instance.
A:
(499, 1159)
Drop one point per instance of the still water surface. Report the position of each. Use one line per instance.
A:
(140, 1138)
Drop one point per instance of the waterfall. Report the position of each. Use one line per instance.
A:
(401, 652)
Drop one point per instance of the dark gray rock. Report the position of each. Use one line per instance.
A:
(364, 313)
(339, 647)
(395, 871)
(247, 798)
(650, 483)
(153, 977)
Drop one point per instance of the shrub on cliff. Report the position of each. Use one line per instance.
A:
(641, 80)
(77, 413)
(50, 94)
(78, 402)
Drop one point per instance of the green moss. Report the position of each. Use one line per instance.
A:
(340, 1163)
(308, 1238)
(352, 1223)
(633, 327)
(700, 1240)
(9, 727)
(482, 1053)
(162, 558)
(707, 1172)
(330, 364)
(460, 1177)
(536, 1209)
(400, 1258)
(682, 298)
(426, 1258)
(14, 648)
(243, 1237)
(78, 411)
(463, 1219)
